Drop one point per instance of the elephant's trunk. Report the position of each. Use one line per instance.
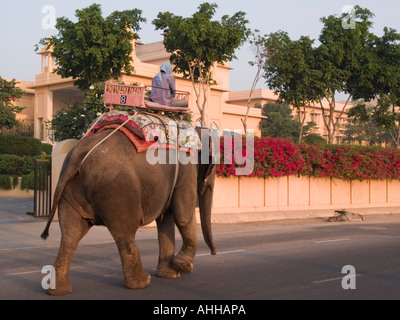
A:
(205, 195)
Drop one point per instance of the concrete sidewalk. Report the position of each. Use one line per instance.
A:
(19, 230)
(16, 209)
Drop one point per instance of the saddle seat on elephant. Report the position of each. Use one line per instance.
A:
(146, 129)
(141, 120)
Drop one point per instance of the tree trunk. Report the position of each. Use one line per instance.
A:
(302, 120)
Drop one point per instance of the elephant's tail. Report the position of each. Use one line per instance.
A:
(57, 196)
(67, 173)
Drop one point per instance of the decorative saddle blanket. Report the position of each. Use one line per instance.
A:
(145, 129)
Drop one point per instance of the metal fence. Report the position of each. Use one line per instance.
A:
(42, 194)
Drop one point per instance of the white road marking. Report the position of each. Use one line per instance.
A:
(332, 240)
(19, 273)
(373, 228)
(26, 248)
(33, 271)
(222, 252)
(333, 279)
(233, 232)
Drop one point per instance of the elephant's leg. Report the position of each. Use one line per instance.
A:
(166, 241)
(73, 228)
(183, 261)
(134, 275)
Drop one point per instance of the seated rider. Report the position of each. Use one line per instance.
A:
(163, 88)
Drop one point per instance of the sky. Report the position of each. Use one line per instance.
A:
(24, 22)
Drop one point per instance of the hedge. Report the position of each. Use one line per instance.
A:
(17, 159)
(8, 182)
(275, 157)
(20, 145)
(16, 165)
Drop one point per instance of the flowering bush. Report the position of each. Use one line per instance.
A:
(274, 157)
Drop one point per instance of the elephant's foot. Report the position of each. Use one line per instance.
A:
(165, 271)
(60, 290)
(183, 263)
(137, 282)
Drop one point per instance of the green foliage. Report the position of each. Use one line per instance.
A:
(290, 69)
(345, 61)
(15, 165)
(8, 182)
(5, 182)
(362, 126)
(314, 139)
(14, 180)
(280, 122)
(386, 85)
(28, 181)
(345, 56)
(197, 42)
(9, 92)
(19, 145)
(200, 41)
(47, 148)
(72, 122)
(94, 49)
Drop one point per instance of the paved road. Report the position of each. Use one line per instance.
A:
(255, 261)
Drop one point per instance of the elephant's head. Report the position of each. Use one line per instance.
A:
(205, 184)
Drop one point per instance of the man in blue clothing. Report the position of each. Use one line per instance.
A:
(163, 88)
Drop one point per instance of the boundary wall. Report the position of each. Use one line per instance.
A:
(17, 192)
(244, 199)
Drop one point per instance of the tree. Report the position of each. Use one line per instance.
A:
(362, 127)
(386, 84)
(257, 45)
(343, 62)
(197, 43)
(346, 61)
(9, 92)
(94, 49)
(279, 122)
(290, 72)
(71, 121)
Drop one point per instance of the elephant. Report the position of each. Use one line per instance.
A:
(105, 181)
